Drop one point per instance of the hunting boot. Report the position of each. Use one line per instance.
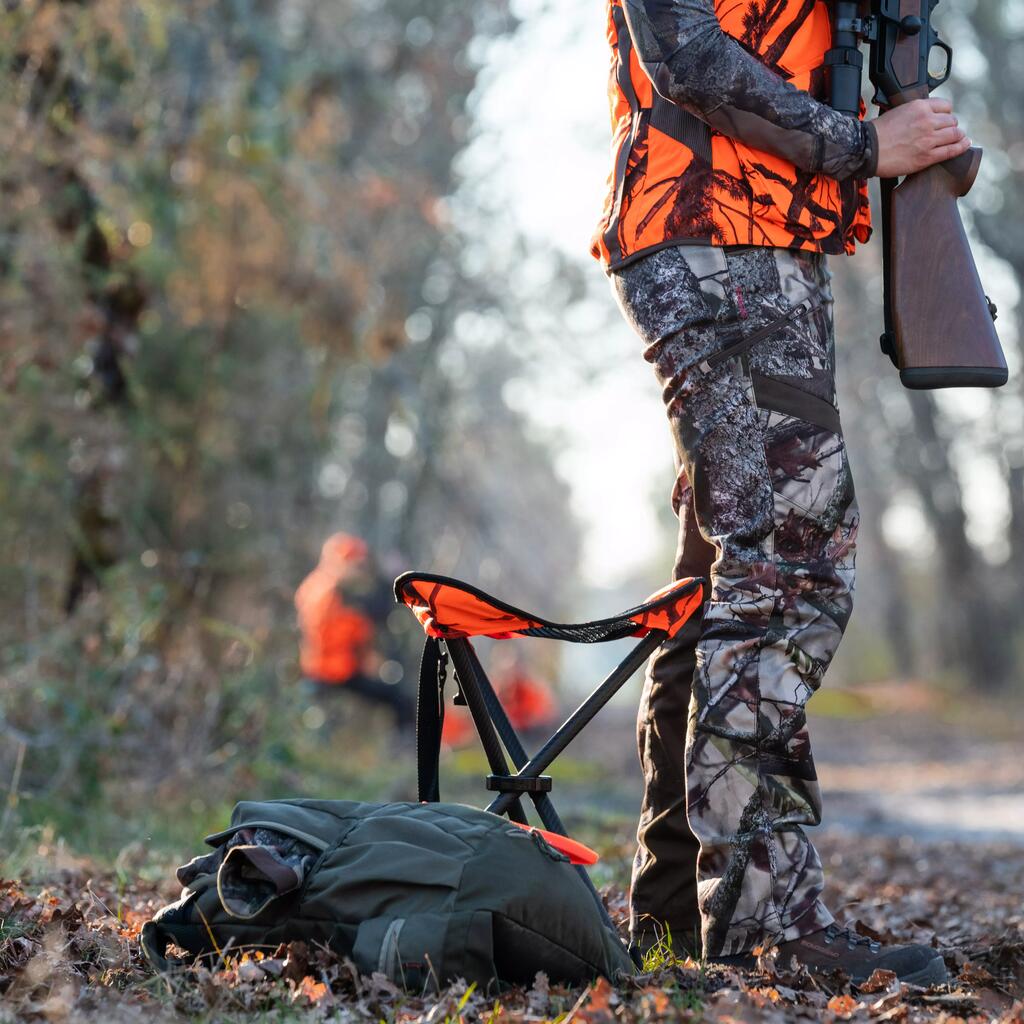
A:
(835, 948)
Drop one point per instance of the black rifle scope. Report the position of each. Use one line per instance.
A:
(844, 63)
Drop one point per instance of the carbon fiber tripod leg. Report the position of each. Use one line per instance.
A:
(507, 734)
(583, 715)
(469, 684)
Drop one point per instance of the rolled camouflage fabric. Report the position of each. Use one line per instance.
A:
(253, 867)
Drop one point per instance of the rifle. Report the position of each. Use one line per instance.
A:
(939, 323)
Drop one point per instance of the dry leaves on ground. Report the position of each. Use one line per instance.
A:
(69, 951)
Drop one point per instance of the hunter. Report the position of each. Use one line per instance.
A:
(732, 182)
(337, 605)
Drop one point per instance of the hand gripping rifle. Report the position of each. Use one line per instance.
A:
(939, 323)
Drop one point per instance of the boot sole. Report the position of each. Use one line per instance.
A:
(933, 973)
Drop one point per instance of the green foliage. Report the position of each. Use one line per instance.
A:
(229, 276)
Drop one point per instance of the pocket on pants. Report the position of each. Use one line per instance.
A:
(680, 301)
(807, 461)
(739, 342)
(804, 447)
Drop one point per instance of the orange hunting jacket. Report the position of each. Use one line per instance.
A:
(335, 637)
(721, 134)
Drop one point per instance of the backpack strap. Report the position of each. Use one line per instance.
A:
(175, 924)
(410, 951)
(430, 719)
(154, 941)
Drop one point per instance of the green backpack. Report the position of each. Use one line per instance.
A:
(423, 893)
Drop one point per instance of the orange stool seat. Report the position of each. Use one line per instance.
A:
(449, 609)
(452, 613)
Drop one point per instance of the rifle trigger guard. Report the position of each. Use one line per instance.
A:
(933, 81)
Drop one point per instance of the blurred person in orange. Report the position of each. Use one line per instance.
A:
(457, 729)
(528, 701)
(337, 611)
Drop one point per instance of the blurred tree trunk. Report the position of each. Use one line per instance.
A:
(220, 221)
(1015, 482)
(896, 620)
(881, 576)
(968, 628)
(991, 102)
(997, 94)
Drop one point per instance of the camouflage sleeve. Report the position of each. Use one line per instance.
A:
(697, 66)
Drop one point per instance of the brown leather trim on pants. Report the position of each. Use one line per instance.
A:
(665, 868)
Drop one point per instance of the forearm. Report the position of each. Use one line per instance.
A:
(697, 66)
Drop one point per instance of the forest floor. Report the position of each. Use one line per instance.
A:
(926, 844)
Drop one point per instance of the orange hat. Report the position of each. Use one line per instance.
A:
(342, 549)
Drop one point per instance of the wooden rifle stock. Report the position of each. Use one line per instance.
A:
(939, 324)
(942, 330)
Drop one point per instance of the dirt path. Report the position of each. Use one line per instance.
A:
(892, 760)
(927, 778)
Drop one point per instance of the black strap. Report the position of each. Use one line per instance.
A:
(430, 719)
(154, 942)
(888, 339)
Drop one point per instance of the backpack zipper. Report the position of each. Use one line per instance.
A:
(741, 346)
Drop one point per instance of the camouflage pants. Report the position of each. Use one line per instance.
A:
(741, 340)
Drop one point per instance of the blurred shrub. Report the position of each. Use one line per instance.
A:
(229, 279)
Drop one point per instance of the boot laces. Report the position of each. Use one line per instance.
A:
(834, 933)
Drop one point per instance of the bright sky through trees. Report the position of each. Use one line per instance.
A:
(543, 145)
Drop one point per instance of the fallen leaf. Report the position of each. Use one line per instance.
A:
(897, 1013)
(842, 1006)
(537, 997)
(272, 966)
(958, 1001)
(249, 970)
(880, 981)
(662, 1003)
(313, 991)
(975, 974)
